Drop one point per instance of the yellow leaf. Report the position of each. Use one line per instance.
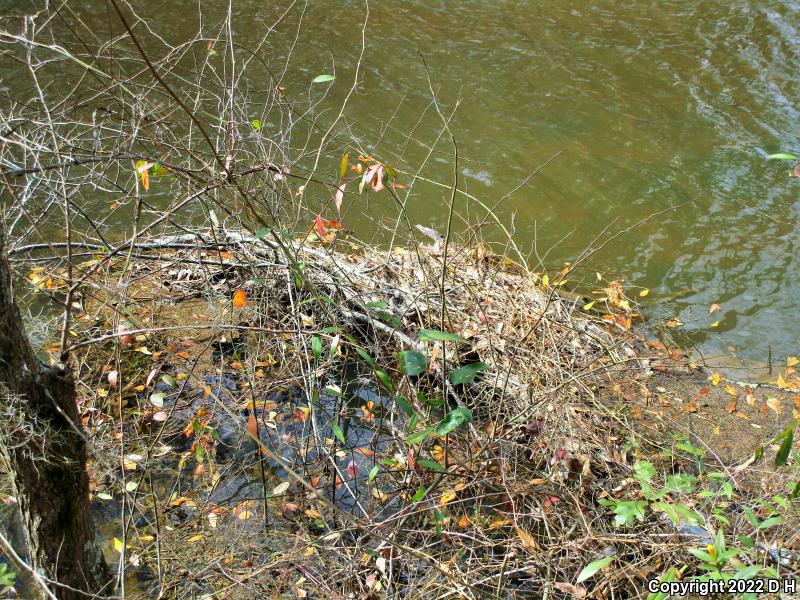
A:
(644, 293)
(782, 382)
(731, 390)
(527, 540)
(195, 538)
(715, 324)
(715, 378)
(792, 361)
(118, 546)
(499, 522)
(545, 280)
(588, 305)
(447, 496)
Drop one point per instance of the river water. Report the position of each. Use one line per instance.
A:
(643, 105)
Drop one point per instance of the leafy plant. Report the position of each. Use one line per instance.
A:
(7, 578)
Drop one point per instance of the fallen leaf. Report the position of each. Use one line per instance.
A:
(775, 405)
(280, 489)
(713, 308)
(239, 299)
(577, 591)
(731, 406)
(352, 470)
(113, 378)
(715, 378)
(160, 416)
(447, 496)
(252, 425)
(195, 538)
(527, 540)
(731, 390)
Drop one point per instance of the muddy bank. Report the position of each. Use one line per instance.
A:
(420, 423)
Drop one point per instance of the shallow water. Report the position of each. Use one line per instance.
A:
(647, 105)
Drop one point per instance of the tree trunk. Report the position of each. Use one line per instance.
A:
(44, 446)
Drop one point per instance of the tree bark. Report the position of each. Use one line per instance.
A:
(44, 445)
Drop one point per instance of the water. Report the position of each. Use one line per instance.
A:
(645, 105)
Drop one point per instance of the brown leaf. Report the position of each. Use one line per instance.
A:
(731, 406)
(252, 425)
(577, 591)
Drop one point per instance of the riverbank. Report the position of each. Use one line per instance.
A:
(434, 421)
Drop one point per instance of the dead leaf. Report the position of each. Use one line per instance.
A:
(527, 540)
(252, 425)
(713, 308)
(775, 405)
(240, 299)
(577, 591)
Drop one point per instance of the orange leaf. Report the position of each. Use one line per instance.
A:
(240, 299)
(252, 425)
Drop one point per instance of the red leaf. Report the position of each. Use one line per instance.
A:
(320, 226)
(377, 180)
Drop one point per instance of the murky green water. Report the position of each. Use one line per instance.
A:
(646, 105)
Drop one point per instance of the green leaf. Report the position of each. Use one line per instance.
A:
(404, 405)
(343, 165)
(453, 420)
(412, 363)
(365, 357)
(316, 347)
(593, 567)
(668, 577)
(644, 470)
(786, 445)
(748, 572)
(428, 335)
(372, 473)
(420, 493)
(385, 380)
(256, 123)
(701, 554)
(691, 449)
(432, 465)
(337, 431)
(771, 522)
(418, 436)
(467, 373)
(783, 156)
(168, 379)
(627, 511)
(323, 79)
